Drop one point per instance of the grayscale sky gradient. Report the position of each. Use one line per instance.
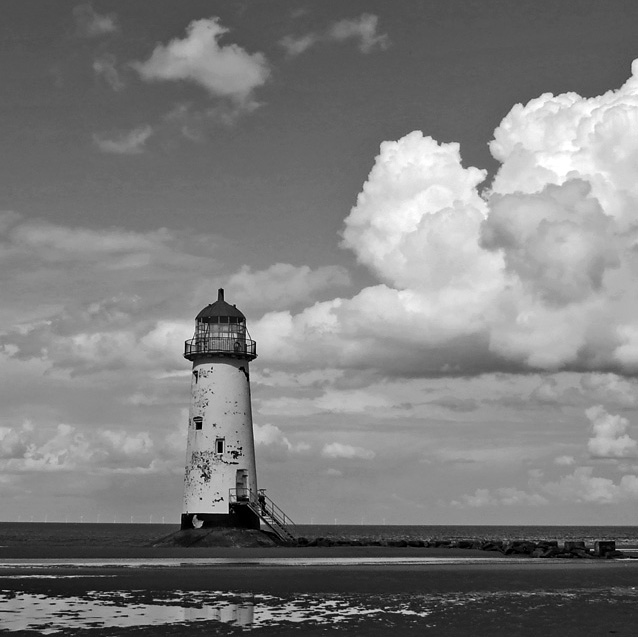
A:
(426, 210)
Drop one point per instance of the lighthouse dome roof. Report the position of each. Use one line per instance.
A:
(220, 308)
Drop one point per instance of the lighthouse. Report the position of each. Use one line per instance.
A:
(220, 482)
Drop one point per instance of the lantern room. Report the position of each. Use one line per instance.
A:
(220, 330)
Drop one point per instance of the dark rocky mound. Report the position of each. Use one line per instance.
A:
(217, 537)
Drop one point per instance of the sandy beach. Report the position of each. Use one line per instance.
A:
(319, 591)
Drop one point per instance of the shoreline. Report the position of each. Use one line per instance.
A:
(479, 594)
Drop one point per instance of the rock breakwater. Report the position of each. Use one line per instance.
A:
(541, 549)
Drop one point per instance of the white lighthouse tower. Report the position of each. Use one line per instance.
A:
(220, 483)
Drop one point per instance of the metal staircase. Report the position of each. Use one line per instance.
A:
(269, 514)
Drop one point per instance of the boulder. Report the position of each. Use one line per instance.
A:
(397, 543)
(324, 541)
(570, 545)
(602, 547)
(546, 551)
(518, 547)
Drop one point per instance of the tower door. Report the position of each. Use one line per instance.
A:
(241, 484)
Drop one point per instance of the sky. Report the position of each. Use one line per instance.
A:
(428, 212)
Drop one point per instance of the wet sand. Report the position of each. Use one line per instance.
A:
(492, 595)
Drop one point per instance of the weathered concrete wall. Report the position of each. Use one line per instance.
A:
(220, 396)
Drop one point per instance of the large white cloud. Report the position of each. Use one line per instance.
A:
(538, 273)
(555, 138)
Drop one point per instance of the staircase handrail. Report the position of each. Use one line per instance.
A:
(275, 512)
(262, 505)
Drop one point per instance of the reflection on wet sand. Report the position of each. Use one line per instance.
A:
(50, 615)
(56, 614)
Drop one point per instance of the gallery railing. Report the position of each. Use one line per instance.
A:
(240, 347)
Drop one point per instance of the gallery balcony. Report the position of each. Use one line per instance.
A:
(220, 346)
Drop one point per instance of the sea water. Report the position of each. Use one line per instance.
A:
(113, 535)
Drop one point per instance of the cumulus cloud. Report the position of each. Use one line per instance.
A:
(610, 439)
(223, 70)
(282, 284)
(87, 299)
(297, 45)
(583, 486)
(105, 68)
(90, 24)
(538, 272)
(610, 388)
(27, 449)
(504, 496)
(362, 30)
(128, 143)
(339, 450)
(271, 436)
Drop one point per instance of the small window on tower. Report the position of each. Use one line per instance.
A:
(219, 445)
(196, 376)
(198, 420)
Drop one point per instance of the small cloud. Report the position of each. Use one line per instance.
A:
(271, 436)
(491, 456)
(454, 403)
(90, 24)
(504, 496)
(362, 30)
(610, 438)
(104, 67)
(352, 401)
(334, 473)
(564, 461)
(129, 143)
(195, 124)
(338, 450)
(226, 71)
(296, 46)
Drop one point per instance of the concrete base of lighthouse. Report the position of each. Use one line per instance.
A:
(240, 517)
(215, 538)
